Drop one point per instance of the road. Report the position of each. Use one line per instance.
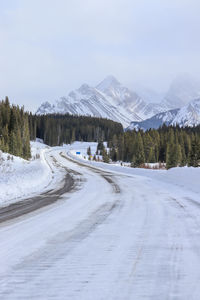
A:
(111, 236)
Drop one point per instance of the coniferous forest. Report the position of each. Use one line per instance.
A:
(58, 129)
(174, 146)
(14, 130)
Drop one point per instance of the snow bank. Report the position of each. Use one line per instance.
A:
(20, 178)
(186, 177)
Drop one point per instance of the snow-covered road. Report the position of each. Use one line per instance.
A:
(117, 236)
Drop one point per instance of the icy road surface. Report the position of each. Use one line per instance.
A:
(116, 236)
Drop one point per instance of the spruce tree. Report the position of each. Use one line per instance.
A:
(138, 155)
(194, 156)
(105, 156)
(26, 140)
(89, 151)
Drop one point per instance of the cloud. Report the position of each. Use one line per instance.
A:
(48, 47)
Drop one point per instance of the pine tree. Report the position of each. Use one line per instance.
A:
(100, 146)
(89, 151)
(170, 156)
(194, 156)
(120, 148)
(178, 154)
(105, 156)
(19, 146)
(73, 136)
(138, 156)
(26, 140)
(13, 143)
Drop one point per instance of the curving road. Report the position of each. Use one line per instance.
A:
(112, 237)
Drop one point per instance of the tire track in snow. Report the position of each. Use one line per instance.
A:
(108, 176)
(56, 250)
(28, 271)
(71, 182)
(137, 243)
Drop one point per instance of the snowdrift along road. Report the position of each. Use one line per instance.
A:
(115, 236)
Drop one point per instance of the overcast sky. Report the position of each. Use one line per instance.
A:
(48, 47)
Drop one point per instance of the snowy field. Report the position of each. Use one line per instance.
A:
(186, 177)
(20, 178)
(123, 234)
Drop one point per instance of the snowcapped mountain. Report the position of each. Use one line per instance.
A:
(182, 90)
(45, 108)
(109, 99)
(155, 121)
(123, 97)
(89, 101)
(188, 115)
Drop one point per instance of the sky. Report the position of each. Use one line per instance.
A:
(48, 47)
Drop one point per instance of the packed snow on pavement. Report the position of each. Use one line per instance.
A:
(123, 234)
(20, 178)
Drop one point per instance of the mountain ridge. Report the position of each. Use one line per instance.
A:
(188, 115)
(109, 99)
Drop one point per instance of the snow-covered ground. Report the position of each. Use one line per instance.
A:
(185, 177)
(124, 234)
(20, 178)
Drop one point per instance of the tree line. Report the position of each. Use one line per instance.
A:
(173, 145)
(57, 129)
(18, 127)
(14, 130)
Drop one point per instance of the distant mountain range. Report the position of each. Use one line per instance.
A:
(188, 115)
(155, 121)
(110, 99)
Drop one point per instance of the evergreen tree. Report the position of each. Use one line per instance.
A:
(89, 151)
(26, 140)
(100, 146)
(105, 156)
(138, 155)
(171, 161)
(194, 156)
(14, 130)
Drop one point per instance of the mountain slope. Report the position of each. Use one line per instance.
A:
(130, 101)
(110, 99)
(155, 121)
(90, 101)
(188, 115)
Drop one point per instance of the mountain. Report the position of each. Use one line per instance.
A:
(121, 96)
(89, 101)
(155, 121)
(109, 99)
(188, 115)
(45, 108)
(183, 89)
